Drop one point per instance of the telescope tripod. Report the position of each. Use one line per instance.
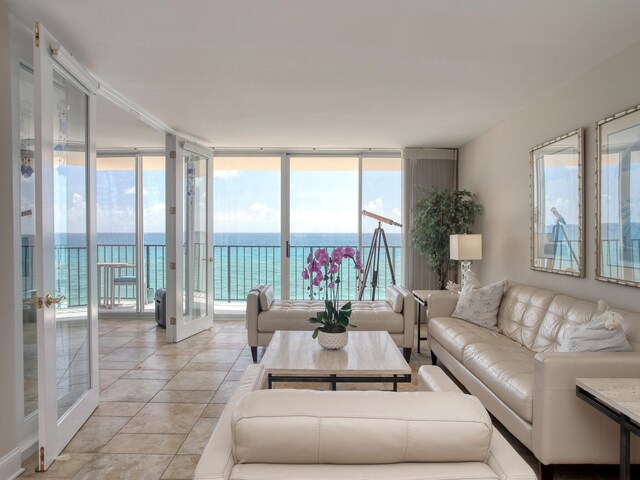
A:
(373, 261)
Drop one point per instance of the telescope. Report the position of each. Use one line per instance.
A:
(378, 241)
(380, 218)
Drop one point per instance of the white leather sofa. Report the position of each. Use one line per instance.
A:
(527, 385)
(266, 316)
(306, 434)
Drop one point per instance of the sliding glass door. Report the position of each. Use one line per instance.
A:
(323, 212)
(247, 228)
(272, 210)
(131, 230)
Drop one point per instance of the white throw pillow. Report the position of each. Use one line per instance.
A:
(267, 296)
(479, 305)
(394, 298)
(603, 333)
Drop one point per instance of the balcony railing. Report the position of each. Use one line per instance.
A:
(236, 270)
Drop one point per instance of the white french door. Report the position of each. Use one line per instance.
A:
(67, 328)
(189, 239)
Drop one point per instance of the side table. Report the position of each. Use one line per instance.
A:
(421, 297)
(617, 398)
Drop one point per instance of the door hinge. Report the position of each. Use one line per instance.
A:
(172, 210)
(36, 29)
(172, 265)
(172, 154)
(172, 321)
(41, 469)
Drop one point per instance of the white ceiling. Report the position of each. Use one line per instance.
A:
(337, 73)
(117, 128)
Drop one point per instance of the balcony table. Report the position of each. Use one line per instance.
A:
(108, 268)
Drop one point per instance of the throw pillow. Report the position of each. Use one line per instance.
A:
(603, 333)
(394, 298)
(267, 296)
(479, 305)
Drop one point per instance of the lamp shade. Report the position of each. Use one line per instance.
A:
(465, 247)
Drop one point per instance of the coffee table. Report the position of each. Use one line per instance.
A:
(369, 357)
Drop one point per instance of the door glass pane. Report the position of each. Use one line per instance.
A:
(116, 227)
(28, 230)
(195, 238)
(153, 179)
(70, 237)
(382, 195)
(324, 213)
(246, 228)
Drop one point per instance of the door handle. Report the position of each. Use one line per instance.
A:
(51, 300)
(288, 249)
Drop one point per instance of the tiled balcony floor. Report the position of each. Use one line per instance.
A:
(160, 402)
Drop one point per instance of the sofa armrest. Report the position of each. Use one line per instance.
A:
(506, 461)
(565, 428)
(217, 459)
(408, 315)
(441, 304)
(253, 309)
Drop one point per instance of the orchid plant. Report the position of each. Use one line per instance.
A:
(325, 272)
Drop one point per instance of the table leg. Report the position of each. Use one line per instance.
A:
(395, 383)
(333, 382)
(270, 382)
(625, 453)
(419, 306)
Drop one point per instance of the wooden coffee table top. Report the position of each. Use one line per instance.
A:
(367, 353)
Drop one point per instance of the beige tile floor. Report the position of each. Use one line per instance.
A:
(159, 404)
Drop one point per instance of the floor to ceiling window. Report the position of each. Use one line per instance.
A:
(271, 211)
(131, 230)
(247, 226)
(323, 213)
(382, 195)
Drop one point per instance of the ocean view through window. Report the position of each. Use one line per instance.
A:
(248, 241)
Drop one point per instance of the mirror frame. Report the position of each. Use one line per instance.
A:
(621, 121)
(537, 261)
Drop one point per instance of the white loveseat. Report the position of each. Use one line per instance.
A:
(306, 434)
(266, 316)
(525, 383)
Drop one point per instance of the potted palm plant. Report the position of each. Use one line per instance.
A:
(438, 215)
(324, 271)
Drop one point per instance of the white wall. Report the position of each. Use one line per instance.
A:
(496, 167)
(8, 440)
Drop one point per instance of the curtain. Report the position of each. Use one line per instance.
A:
(423, 167)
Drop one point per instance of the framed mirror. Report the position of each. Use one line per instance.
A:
(557, 211)
(618, 198)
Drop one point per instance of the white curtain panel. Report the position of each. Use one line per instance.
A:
(423, 167)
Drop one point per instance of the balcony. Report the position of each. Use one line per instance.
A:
(237, 269)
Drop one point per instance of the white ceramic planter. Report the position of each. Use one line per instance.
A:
(333, 341)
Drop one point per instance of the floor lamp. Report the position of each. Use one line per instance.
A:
(465, 248)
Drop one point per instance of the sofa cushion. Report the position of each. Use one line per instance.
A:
(294, 315)
(267, 296)
(507, 370)
(394, 298)
(521, 312)
(351, 427)
(455, 334)
(603, 333)
(396, 471)
(479, 305)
